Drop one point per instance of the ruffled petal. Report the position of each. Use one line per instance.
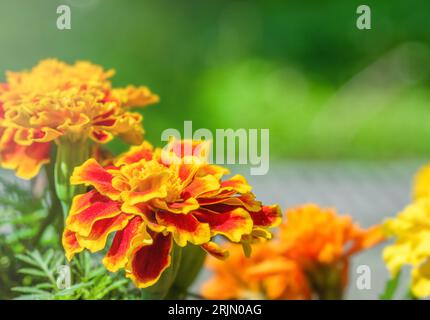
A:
(421, 280)
(70, 244)
(132, 96)
(26, 161)
(191, 148)
(135, 154)
(237, 183)
(268, 216)
(133, 235)
(232, 222)
(183, 207)
(149, 262)
(89, 208)
(184, 228)
(215, 250)
(200, 186)
(187, 171)
(246, 201)
(100, 230)
(93, 174)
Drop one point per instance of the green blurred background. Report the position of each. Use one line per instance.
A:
(324, 88)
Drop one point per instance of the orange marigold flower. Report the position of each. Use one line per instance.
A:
(309, 258)
(151, 199)
(55, 101)
(265, 275)
(322, 242)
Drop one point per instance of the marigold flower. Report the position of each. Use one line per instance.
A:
(411, 229)
(322, 242)
(54, 102)
(267, 274)
(152, 198)
(317, 235)
(421, 188)
(308, 258)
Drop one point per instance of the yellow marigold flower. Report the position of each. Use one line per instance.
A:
(267, 274)
(151, 199)
(411, 229)
(422, 183)
(322, 242)
(56, 101)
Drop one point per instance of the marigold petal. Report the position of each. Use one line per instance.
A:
(100, 231)
(146, 212)
(215, 250)
(213, 170)
(182, 148)
(100, 136)
(26, 137)
(246, 201)
(268, 216)
(184, 228)
(135, 154)
(276, 265)
(237, 183)
(187, 172)
(91, 173)
(132, 96)
(147, 263)
(151, 187)
(124, 242)
(183, 207)
(70, 244)
(232, 223)
(421, 187)
(200, 186)
(26, 161)
(366, 239)
(421, 280)
(87, 209)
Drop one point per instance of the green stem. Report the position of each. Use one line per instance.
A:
(161, 289)
(55, 212)
(70, 154)
(193, 258)
(326, 281)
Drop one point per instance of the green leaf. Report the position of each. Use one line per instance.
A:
(29, 290)
(391, 287)
(32, 272)
(35, 297)
(27, 259)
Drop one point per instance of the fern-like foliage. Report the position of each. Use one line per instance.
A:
(43, 280)
(20, 216)
(26, 273)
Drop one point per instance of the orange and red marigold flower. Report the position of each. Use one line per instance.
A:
(56, 101)
(152, 198)
(309, 258)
